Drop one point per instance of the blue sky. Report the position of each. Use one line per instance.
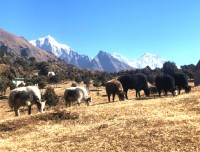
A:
(169, 28)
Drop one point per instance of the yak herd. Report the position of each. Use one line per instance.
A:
(30, 95)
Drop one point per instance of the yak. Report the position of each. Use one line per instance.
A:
(25, 96)
(76, 94)
(114, 87)
(137, 82)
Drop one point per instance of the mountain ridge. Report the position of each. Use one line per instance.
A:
(109, 63)
(49, 44)
(20, 47)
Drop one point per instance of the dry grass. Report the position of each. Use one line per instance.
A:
(150, 124)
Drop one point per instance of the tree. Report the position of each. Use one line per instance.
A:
(21, 85)
(78, 79)
(74, 84)
(54, 79)
(35, 79)
(44, 69)
(42, 84)
(151, 77)
(188, 70)
(169, 68)
(147, 70)
(29, 83)
(97, 83)
(50, 96)
(87, 83)
(12, 85)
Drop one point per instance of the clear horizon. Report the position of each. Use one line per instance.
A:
(168, 28)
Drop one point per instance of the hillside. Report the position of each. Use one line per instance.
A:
(150, 124)
(20, 47)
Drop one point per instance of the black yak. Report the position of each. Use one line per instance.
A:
(137, 82)
(166, 83)
(181, 81)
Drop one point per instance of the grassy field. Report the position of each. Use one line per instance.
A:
(146, 124)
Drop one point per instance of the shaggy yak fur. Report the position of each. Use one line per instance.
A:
(181, 81)
(25, 96)
(137, 82)
(114, 87)
(76, 94)
(166, 83)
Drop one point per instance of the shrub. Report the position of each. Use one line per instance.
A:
(74, 84)
(21, 85)
(12, 85)
(51, 97)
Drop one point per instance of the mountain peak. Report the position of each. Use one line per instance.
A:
(148, 59)
(148, 54)
(50, 38)
(49, 44)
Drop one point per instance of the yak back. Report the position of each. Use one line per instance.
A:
(75, 93)
(181, 79)
(113, 86)
(136, 81)
(165, 82)
(19, 97)
(72, 94)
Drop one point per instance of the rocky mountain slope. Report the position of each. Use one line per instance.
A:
(20, 47)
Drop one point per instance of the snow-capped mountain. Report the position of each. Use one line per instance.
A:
(111, 64)
(49, 44)
(151, 60)
(62, 51)
(102, 62)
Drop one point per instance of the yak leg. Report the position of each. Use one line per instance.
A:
(179, 90)
(159, 92)
(137, 93)
(126, 93)
(70, 103)
(113, 97)
(16, 109)
(108, 97)
(79, 102)
(29, 110)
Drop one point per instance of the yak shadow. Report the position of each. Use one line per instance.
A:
(145, 98)
(56, 116)
(95, 90)
(3, 97)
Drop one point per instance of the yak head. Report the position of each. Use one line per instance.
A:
(187, 89)
(88, 100)
(147, 92)
(121, 96)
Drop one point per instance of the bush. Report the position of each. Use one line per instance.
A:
(21, 85)
(169, 68)
(51, 97)
(12, 85)
(74, 84)
(78, 79)
(42, 84)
